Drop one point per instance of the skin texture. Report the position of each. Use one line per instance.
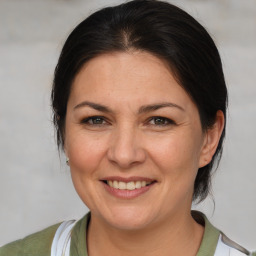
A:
(129, 141)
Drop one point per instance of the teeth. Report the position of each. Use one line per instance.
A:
(128, 185)
(122, 185)
(138, 184)
(115, 184)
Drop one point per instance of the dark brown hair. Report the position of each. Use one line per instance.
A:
(161, 29)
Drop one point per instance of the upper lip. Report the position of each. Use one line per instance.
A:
(127, 179)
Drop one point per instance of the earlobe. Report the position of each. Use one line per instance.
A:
(67, 161)
(66, 154)
(211, 140)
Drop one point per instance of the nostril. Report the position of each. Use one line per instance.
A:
(125, 158)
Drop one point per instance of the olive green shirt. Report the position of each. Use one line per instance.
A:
(39, 244)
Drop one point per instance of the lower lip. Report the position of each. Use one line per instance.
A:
(125, 193)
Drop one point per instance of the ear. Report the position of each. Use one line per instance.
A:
(65, 148)
(66, 153)
(211, 139)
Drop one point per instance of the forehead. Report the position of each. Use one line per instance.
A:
(127, 77)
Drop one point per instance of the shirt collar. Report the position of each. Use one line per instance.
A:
(207, 247)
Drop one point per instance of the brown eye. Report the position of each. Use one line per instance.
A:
(97, 120)
(94, 120)
(160, 121)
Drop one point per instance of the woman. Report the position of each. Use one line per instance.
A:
(139, 101)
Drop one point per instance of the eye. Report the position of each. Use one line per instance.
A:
(160, 121)
(94, 120)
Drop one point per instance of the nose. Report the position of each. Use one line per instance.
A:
(126, 148)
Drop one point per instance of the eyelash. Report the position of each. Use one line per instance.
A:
(89, 121)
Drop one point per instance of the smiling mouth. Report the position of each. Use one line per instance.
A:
(131, 185)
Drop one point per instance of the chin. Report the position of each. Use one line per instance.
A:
(128, 218)
(131, 224)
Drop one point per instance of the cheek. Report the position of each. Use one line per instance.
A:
(85, 153)
(177, 154)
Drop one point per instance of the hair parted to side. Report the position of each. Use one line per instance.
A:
(163, 30)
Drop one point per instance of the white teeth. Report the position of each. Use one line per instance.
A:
(138, 184)
(115, 184)
(127, 185)
(130, 186)
(122, 185)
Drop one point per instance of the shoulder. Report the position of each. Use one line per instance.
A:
(37, 244)
(216, 242)
(226, 246)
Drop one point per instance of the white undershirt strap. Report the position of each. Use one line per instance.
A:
(224, 249)
(62, 239)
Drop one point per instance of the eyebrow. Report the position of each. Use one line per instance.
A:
(142, 109)
(153, 107)
(95, 106)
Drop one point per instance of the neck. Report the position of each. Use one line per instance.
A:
(176, 236)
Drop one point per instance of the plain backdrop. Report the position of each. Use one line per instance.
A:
(35, 185)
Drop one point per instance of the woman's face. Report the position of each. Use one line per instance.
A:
(134, 140)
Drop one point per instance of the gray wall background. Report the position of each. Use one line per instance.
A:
(35, 186)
